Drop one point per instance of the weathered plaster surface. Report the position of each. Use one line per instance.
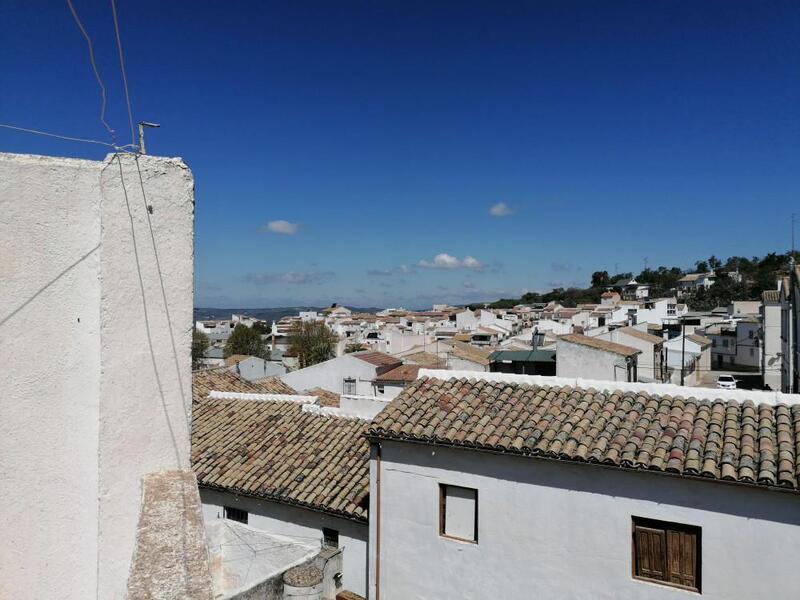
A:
(85, 414)
(145, 386)
(171, 560)
(50, 375)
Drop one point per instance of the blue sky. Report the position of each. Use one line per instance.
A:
(383, 133)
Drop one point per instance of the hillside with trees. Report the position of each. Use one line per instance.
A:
(757, 274)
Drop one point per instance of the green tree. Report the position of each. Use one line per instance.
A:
(262, 328)
(244, 340)
(600, 279)
(199, 347)
(354, 347)
(311, 342)
(701, 266)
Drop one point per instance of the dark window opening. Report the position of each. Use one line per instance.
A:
(235, 514)
(330, 538)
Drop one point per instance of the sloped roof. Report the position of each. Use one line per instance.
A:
(771, 295)
(274, 450)
(465, 351)
(273, 385)
(718, 440)
(220, 380)
(425, 359)
(699, 339)
(642, 335)
(401, 373)
(326, 397)
(597, 344)
(379, 359)
(234, 359)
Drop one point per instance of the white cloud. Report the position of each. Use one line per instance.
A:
(447, 261)
(281, 226)
(501, 209)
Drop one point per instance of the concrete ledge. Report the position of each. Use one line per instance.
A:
(170, 560)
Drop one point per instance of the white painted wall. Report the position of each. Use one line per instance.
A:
(257, 368)
(576, 360)
(85, 415)
(50, 378)
(329, 375)
(293, 521)
(772, 358)
(558, 530)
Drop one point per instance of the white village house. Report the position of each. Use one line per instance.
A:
(579, 355)
(510, 486)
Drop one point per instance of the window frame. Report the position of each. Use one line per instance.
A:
(665, 527)
(349, 381)
(443, 512)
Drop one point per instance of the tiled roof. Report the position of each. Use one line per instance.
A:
(471, 353)
(401, 373)
(273, 385)
(642, 335)
(274, 450)
(326, 397)
(699, 339)
(234, 359)
(591, 342)
(220, 380)
(771, 295)
(379, 359)
(718, 440)
(425, 359)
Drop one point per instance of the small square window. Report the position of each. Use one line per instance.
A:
(330, 538)
(458, 512)
(666, 553)
(235, 514)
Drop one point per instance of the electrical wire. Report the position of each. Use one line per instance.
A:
(122, 67)
(96, 72)
(68, 138)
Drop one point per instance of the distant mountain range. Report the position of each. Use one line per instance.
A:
(265, 314)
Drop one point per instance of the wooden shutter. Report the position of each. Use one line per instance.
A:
(650, 552)
(682, 558)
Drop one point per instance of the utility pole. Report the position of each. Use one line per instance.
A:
(645, 263)
(142, 125)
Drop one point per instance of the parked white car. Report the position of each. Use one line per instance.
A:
(726, 382)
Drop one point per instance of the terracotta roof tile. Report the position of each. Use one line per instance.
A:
(401, 373)
(642, 335)
(274, 450)
(326, 397)
(273, 385)
(585, 340)
(379, 359)
(722, 440)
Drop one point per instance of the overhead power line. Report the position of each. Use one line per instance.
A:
(67, 137)
(96, 73)
(122, 67)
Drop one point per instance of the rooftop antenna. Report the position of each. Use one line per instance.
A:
(794, 216)
(142, 125)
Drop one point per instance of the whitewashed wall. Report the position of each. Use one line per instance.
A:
(293, 521)
(329, 375)
(575, 360)
(85, 413)
(558, 530)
